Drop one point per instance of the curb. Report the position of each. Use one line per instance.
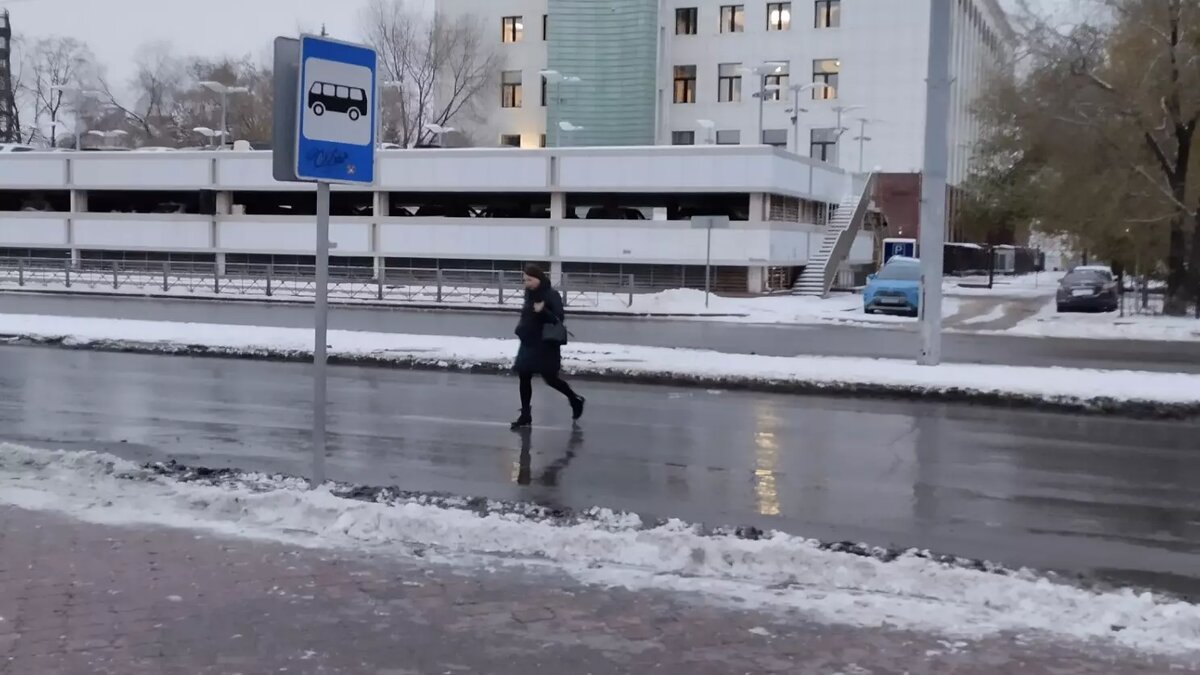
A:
(1132, 409)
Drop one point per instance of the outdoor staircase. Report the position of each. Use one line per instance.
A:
(840, 233)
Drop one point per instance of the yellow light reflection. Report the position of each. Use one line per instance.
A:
(766, 459)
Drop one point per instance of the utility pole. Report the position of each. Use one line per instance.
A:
(933, 181)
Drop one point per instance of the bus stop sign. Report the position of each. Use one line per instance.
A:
(336, 112)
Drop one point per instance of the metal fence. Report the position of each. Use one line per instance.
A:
(406, 285)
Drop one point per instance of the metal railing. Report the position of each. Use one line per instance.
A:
(861, 186)
(385, 284)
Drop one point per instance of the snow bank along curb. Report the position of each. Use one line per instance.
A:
(512, 307)
(1136, 394)
(774, 572)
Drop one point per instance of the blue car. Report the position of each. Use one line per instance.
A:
(896, 289)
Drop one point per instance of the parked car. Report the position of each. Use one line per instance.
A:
(1090, 288)
(896, 289)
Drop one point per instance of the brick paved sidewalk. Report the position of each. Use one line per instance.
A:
(86, 599)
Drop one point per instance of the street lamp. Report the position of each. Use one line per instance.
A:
(224, 91)
(862, 138)
(767, 68)
(80, 96)
(441, 132)
(796, 90)
(568, 127)
(708, 126)
(558, 80)
(208, 134)
(837, 141)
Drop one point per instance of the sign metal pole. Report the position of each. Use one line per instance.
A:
(326, 130)
(321, 342)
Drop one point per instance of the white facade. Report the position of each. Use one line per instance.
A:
(762, 175)
(881, 49)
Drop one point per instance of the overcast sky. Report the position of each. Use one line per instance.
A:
(115, 28)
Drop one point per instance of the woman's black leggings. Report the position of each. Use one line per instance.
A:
(556, 383)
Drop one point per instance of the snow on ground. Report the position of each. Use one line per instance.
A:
(1025, 286)
(1059, 385)
(771, 309)
(1106, 326)
(778, 572)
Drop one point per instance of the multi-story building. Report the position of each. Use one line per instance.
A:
(639, 72)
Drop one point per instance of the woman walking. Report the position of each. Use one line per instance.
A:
(537, 354)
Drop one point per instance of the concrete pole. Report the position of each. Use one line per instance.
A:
(796, 121)
(224, 114)
(762, 97)
(933, 182)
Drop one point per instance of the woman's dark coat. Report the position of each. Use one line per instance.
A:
(535, 355)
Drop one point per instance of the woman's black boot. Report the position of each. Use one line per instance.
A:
(522, 422)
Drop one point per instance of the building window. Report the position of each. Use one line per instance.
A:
(779, 16)
(778, 80)
(544, 87)
(825, 71)
(510, 89)
(829, 13)
(545, 27)
(685, 84)
(823, 145)
(729, 137)
(511, 29)
(733, 18)
(775, 137)
(683, 138)
(729, 82)
(686, 21)
(513, 140)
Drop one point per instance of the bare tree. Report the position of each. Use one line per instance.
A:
(56, 65)
(437, 70)
(156, 86)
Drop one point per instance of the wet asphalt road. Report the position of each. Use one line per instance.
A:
(774, 340)
(1111, 497)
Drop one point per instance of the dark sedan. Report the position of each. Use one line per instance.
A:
(1088, 290)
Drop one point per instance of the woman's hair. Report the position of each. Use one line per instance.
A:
(535, 272)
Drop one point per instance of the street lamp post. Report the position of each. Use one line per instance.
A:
(207, 133)
(558, 79)
(761, 72)
(566, 126)
(841, 110)
(441, 132)
(796, 90)
(862, 140)
(224, 91)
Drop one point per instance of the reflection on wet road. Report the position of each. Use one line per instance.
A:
(1018, 487)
